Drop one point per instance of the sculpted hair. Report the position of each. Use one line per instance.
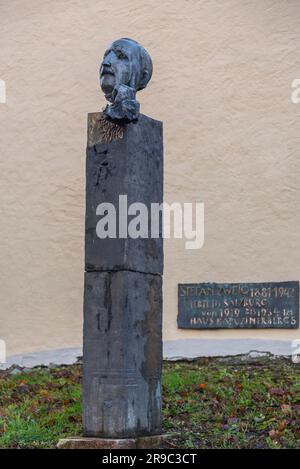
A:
(145, 65)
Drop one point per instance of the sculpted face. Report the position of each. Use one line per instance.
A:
(118, 66)
(125, 69)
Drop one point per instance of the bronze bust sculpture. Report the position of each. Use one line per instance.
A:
(125, 69)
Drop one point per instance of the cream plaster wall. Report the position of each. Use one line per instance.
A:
(222, 86)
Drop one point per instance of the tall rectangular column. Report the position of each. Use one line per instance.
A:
(122, 343)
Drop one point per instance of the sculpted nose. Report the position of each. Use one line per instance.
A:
(106, 62)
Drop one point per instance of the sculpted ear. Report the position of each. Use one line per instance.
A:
(144, 79)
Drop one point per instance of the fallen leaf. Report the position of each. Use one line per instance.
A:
(286, 409)
(200, 387)
(282, 425)
(276, 391)
(23, 388)
(232, 420)
(273, 434)
(238, 385)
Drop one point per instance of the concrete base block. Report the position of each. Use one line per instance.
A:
(141, 442)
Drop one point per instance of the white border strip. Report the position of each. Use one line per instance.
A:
(172, 350)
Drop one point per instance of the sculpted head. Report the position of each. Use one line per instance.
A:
(126, 67)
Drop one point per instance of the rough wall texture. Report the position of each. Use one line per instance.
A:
(221, 85)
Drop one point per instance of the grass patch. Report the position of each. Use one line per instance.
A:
(206, 403)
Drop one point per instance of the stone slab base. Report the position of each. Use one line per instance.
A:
(142, 442)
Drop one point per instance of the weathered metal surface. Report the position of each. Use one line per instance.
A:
(101, 130)
(125, 69)
(238, 305)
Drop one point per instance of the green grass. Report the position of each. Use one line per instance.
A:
(206, 404)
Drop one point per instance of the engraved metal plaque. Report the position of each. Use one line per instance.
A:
(272, 305)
